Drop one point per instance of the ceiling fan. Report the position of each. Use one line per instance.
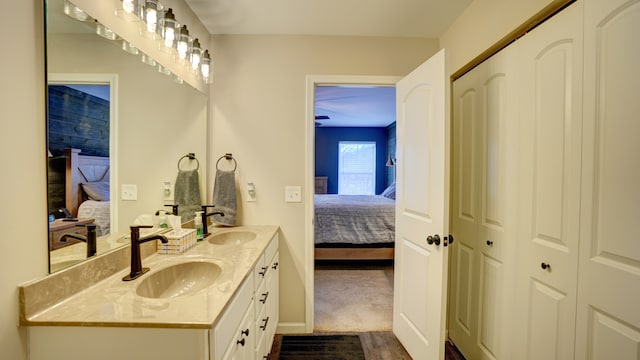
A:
(321, 118)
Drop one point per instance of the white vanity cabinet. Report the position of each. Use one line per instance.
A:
(266, 300)
(253, 313)
(207, 325)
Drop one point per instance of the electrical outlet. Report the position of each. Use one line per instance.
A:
(129, 192)
(251, 192)
(167, 193)
(293, 194)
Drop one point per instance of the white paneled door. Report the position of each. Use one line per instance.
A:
(550, 113)
(608, 315)
(484, 206)
(420, 276)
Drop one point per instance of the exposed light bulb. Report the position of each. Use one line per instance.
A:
(149, 15)
(195, 56)
(151, 18)
(129, 6)
(169, 29)
(205, 68)
(169, 37)
(182, 45)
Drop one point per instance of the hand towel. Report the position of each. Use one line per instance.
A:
(187, 194)
(224, 198)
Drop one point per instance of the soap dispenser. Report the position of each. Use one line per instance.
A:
(162, 219)
(197, 221)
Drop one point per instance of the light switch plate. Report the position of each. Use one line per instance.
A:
(293, 194)
(129, 192)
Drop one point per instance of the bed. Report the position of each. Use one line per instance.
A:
(354, 226)
(87, 188)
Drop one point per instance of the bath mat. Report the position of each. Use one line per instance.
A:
(321, 347)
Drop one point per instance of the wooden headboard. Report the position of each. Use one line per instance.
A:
(82, 169)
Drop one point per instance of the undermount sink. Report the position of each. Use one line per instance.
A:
(232, 237)
(180, 279)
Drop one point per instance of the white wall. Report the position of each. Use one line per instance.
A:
(482, 24)
(23, 181)
(258, 105)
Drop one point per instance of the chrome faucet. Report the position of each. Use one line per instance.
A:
(90, 239)
(136, 263)
(205, 216)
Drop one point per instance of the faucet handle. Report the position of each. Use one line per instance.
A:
(174, 209)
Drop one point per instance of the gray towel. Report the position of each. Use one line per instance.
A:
(224, 198)
(187, 194)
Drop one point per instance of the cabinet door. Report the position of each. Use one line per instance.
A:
(608, 320)
(483, 206)
(550, 152)
(273, 303)
(242, 345)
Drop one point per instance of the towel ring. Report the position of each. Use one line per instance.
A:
(227, 156)
(191, 156)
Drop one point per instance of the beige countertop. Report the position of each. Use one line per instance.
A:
(114, 302)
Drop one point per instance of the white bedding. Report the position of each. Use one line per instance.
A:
(98, 210)
(354, 219)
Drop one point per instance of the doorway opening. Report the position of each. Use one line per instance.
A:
(350, 289)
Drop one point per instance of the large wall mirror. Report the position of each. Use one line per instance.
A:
(113, 121)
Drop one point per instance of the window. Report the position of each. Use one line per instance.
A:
(357, 168)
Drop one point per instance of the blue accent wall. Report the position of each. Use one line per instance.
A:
(326, 157)
(391, 150)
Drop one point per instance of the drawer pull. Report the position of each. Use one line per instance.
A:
(264, 326)
(264, 271)
(489, 243)
(264, 298)
(545, 266)
(241, 342)
(275, 266)
(245, 332)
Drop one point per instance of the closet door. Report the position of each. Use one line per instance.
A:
(608, 325)
(550, 152)
(483, 215)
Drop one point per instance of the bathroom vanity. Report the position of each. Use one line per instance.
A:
(218, 300)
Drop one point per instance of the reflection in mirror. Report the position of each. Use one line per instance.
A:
(80, 113)
(132, 136)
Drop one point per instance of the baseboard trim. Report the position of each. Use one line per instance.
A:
(291, 328)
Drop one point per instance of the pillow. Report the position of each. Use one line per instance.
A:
(98, 191)
(390, 192)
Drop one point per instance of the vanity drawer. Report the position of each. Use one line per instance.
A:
(259, 272)
(232, 317)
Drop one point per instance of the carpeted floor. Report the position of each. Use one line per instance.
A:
(321, 347)
(353, 300)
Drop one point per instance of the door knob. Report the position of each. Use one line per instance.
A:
(489, 242)
(545, 266)
(448, 240)
(435, 239)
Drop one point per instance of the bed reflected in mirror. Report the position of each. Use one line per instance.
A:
(80, 114)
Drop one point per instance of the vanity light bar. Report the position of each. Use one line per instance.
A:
(158, 24)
